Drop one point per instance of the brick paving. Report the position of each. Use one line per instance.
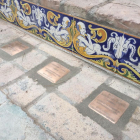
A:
(87, 81)
(9, 72)
(126, 89)
(24, 91)
(30, 60)
(63, 120)
(15, 124)
(31, 110)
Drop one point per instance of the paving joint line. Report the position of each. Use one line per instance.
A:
(35, 101)
(65, 98)
(28, 114)
(96, 7)
(115, 130)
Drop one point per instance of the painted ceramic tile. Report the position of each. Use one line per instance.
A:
(108, 48)
(128, 64)
(49, 25)
(95, 43)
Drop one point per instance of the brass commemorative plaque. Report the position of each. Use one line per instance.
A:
(53, 72)
(14, 48)
(109, 106)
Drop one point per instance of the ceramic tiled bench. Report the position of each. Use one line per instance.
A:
(111, 49)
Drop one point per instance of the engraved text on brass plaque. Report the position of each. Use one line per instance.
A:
(109, 106)
(14, 48)
(53, 72)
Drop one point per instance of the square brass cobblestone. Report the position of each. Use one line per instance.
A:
(109, 106)
(14, 48)
(53, 72)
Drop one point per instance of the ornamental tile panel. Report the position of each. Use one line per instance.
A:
(109, 48)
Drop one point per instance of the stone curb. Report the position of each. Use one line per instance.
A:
(117, 14)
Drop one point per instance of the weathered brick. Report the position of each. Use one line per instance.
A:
(9, 35)
(34, 1)
(64, 122)
(67, 58)
(8, 72)
(53, 4)
(127, 89)
(31, 59)
(31, 40)
(24, 91)
(132, 129)
(121, 14)
(4, 25)
(3, 98)
(82, 85)
(80, 8)
(16, 125)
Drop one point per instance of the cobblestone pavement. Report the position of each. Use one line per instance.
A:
(33, 108)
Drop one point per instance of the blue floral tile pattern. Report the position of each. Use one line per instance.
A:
(111, 49)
